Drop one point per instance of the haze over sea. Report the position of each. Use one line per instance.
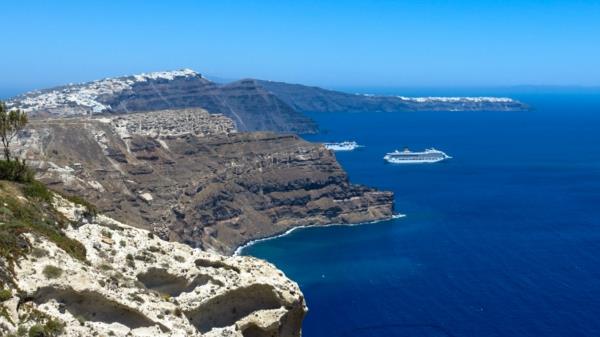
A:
(502, 240)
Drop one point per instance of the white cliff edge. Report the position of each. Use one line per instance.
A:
(135, 284)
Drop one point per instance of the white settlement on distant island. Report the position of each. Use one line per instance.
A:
(342, 146)
(408, 157)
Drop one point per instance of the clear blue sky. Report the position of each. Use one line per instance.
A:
(329, 43)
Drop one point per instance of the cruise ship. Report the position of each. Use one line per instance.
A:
(408, 157)
(343, 146)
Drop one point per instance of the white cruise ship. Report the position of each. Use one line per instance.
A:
(343, 146)
(408, 157)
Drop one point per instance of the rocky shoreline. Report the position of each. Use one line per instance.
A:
(238, 251)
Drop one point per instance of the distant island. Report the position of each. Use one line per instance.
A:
(253, 105)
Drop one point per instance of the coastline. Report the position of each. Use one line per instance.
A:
(240, 248)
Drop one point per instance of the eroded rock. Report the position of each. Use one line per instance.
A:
(135, 284)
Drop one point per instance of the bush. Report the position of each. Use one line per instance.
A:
(53, 327)
(52, 271)
(136, 298)
(80, 319)
(91, 209)
(21, 330)
(5, 294)
(105, 266)
(39, 252)
(28, 215)
(37, 190)
(36, 331)
(15, 170)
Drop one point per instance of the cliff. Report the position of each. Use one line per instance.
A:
(66, 271)
(251, 107)
(198, 181)
(314, 99)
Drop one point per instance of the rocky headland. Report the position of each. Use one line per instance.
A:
(194, 179)
(314, 99)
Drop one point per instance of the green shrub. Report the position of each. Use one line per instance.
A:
(80, 319)
(36, 331)
(5, 294)
(53, 327)
(105, 266)
(130, 262)
(21, 330)
(4, 313)
(15, 170)
(37, 190)
(39, 252)
(136, 297)
(20, 216)
(52, 271)
(91, 210)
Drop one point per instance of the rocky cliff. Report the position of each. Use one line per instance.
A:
(251, 107)
(209, 187)
(314, 99)
(67, 272)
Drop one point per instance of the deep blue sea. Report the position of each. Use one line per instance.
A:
(502, 240)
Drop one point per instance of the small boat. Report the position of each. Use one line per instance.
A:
(408, 157)
(343, 146)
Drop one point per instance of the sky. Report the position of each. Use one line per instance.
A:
(328, 43)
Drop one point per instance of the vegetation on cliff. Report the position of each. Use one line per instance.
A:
(74, 275)
(25, 203)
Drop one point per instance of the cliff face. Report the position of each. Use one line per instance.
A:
(131, 283)
(250, 106)
(253, 105)
(314, 99)
(215, 190)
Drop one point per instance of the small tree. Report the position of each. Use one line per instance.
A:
(11, 122)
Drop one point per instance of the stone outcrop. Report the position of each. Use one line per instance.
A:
(215, 192)
(132, 283)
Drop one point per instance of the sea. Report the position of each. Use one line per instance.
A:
(501, 240)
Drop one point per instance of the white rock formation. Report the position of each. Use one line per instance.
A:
(135, 284)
